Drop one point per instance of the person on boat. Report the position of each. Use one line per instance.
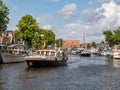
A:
(26, 52)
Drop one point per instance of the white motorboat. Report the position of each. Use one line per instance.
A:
(13, 53)
(116, 52)
(44, 58)
(85, 53)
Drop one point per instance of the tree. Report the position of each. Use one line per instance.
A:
(49, 38)
(112, 37)
(37, 41)
(94, 44)
(116, 36)
(102, 42)
(17, 34)
(88, 45)
(29, 31)
(4, 20)
(59, 42)
(108, 34)
(109, 37)
(27, 27)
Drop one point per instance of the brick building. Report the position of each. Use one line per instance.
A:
(85, 44)
(71, 44)
(7, 38)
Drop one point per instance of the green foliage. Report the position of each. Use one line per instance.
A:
(59, 42)
(37, 41)
(27, 26)
(94, 45)
(49, 38)
(88, 46)
(4, 20)
(102, 42)
(17, 34)
(108, 34)
(29, 31)
(116, 36)
(112, 37)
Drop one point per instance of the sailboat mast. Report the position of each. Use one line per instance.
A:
(83, 36)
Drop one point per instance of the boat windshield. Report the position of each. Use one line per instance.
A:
(52, 53)
(47, 53)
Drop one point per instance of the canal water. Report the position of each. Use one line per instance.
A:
(80, 73)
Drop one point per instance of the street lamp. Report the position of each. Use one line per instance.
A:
(42, 35)
(42, 41)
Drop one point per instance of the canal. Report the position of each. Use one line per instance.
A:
(80, 73)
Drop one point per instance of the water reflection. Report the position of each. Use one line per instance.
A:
(81, 73)
(76, 61)
(44, 69)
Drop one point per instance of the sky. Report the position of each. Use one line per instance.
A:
(69, 19)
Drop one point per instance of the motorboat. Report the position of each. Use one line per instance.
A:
(85, 53)
(116, 52)
(45, 58)
(13, 53)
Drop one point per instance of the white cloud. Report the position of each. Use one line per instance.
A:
(111, 13)
(91, 15)
(109, 9)
(107, 17)
(47, 27)
(44, 22)
(74, 31)
(71, 31)
(107, 1)
(69, 11)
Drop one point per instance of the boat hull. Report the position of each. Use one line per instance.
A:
(45, 63)
(116, 54)
(7, 58)
(46, 58)
(85, 54)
